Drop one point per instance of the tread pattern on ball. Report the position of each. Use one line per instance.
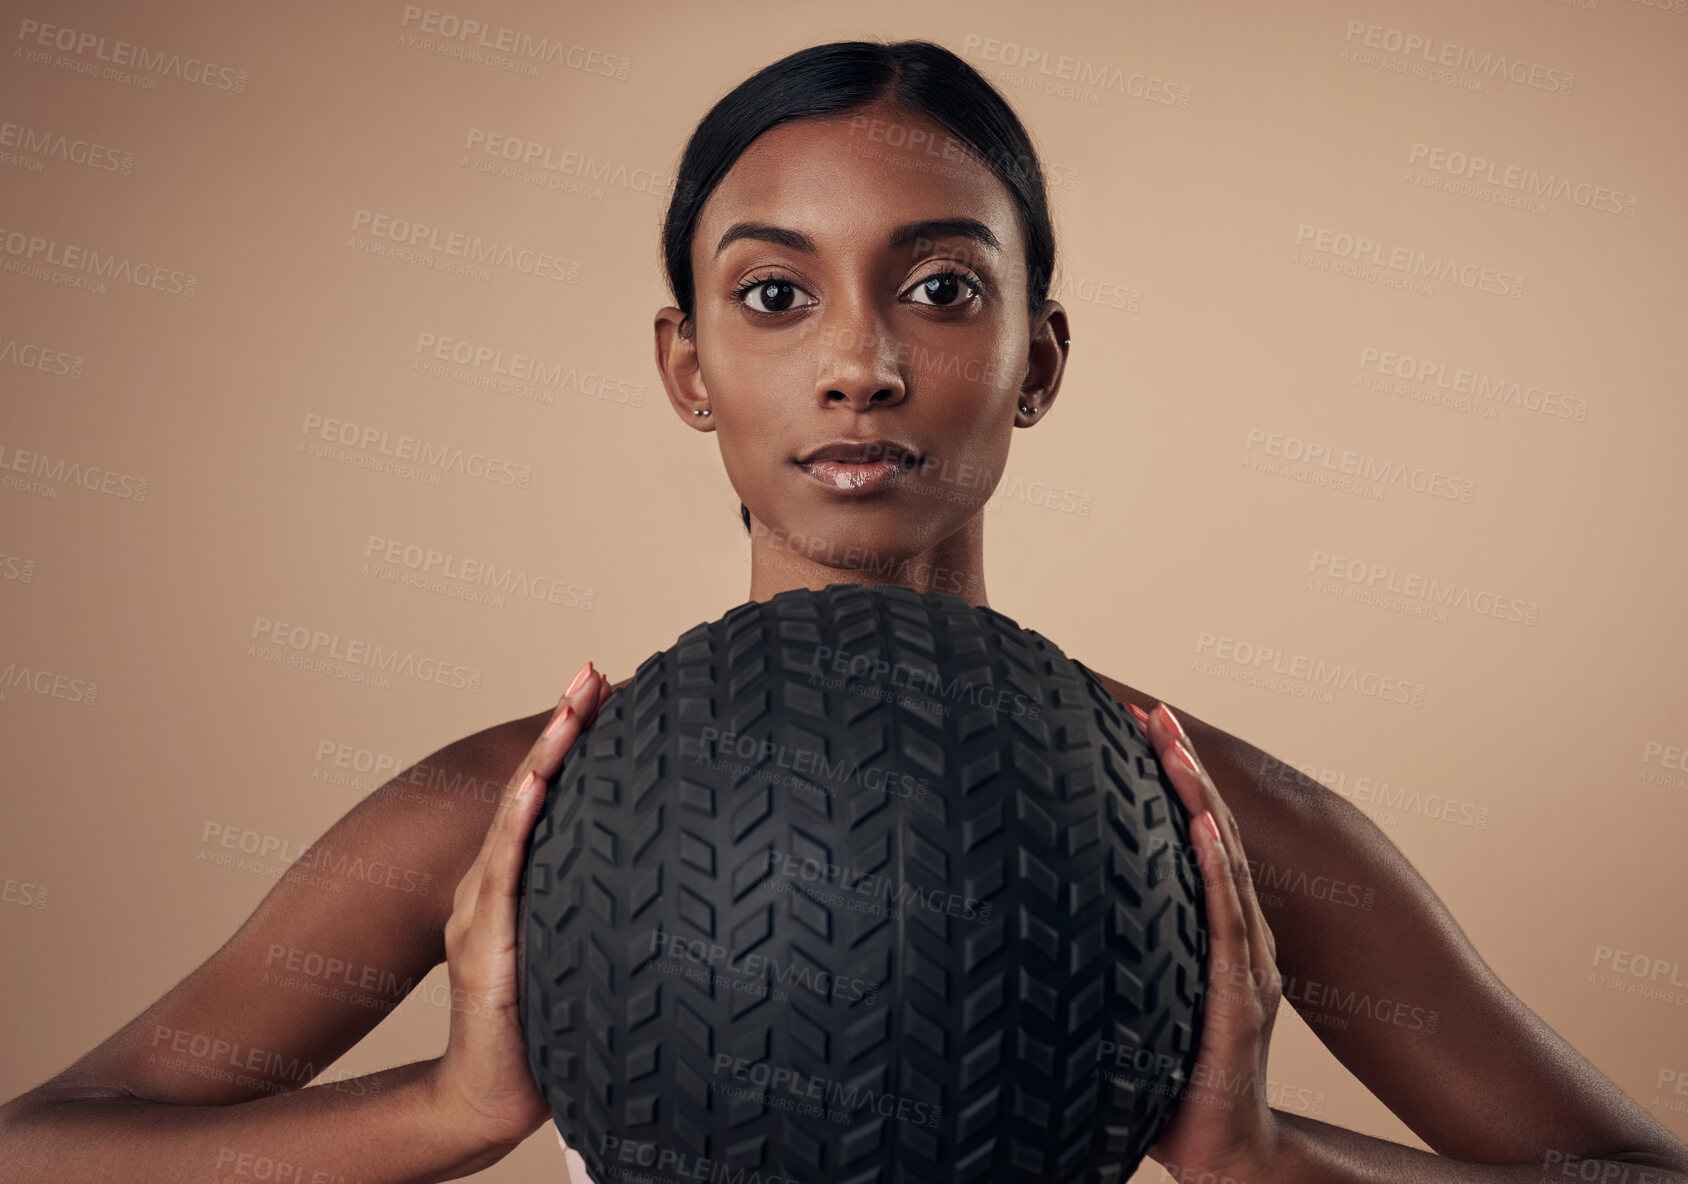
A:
(989, 1027)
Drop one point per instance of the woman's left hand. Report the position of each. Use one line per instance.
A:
(1223, 1124)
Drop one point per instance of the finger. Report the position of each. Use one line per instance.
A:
(591, 698)
(468, 888)
(502, 876)
(1192, 792)
(543, 763)
(586, 705)
(541, 758)
(1228, 956)
(1193, 784)
(577, 695)
(533, 760)
(1262, 945)
(1141, 716)
(1186, 779)
(547, 755)
(508, 850)
(1168, 727)
(565, 728)
(582, 700)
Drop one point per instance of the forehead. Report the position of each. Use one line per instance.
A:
(847, 180)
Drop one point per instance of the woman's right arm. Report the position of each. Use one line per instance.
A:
(204, 1085)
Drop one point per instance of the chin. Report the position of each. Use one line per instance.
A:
(844, 535)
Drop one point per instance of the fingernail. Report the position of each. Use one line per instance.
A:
(1172, 722)
(578, 679)
(562, 717)
(528, 783)
(587, 691)
(1213, 829)
(1212, 826)
(1139, 714)
(1183, 753)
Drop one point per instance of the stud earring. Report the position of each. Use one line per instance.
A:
(700, 411)
(1065, 340)
(1028, 410)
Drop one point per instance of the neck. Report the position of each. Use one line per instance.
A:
(955, 565)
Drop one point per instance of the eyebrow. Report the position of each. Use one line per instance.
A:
(928, 228)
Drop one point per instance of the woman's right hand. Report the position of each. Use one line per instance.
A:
(482, 1083)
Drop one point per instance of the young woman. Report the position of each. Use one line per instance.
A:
(860, 252)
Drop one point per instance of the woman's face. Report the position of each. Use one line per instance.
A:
(827, 314)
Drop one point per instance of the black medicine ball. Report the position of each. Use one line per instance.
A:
(862, 885)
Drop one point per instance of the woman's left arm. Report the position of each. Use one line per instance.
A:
(1397, 993)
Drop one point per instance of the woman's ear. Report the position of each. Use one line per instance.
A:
(1046, 361)
(677, 363)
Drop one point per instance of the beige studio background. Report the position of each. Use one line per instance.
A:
(1446, 238)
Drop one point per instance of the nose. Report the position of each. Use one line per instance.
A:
(858, 362)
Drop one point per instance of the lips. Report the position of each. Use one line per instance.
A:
(859, 466)
(863, 452)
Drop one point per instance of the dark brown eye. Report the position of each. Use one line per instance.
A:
(770, 296)
(946, 289)
(942, 288)
(776, 295)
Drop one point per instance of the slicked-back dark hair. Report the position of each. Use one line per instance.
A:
(838, 78)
